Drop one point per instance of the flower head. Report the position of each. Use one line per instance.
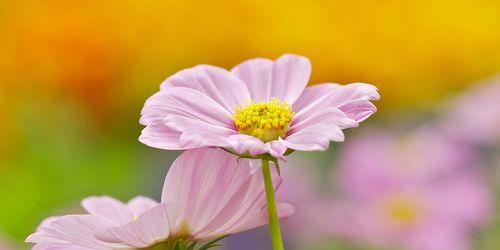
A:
(207, 194)
(423, 192)
(267, 121)
(259, 107)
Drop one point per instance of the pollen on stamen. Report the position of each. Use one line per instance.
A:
(264, 120)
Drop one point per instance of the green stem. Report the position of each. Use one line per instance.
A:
(271, 207)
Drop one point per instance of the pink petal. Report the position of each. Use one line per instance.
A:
(187, 179)
(184, 176)
(313, 93)
(258, 76)
(337, 97)
(217, 83)
(46, 222)
(160, 136)
(358, 110)
(184, 102)
(262, 218)
(253, 202)
(328, 116)
(44, 237)
(108, 208)
(248, 210)
(284, 78)
(198, 134)
(290, 77)
(79, 230)
(314, 138)
(141, 204)
(59, 246)
(320, 122)
(242, 144)
(277, 149)
(217, 195)
(152, 226)
(183, 118)
(221, 202)
(127, 234)
(315, 131)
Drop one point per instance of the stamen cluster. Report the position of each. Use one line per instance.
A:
(264, 120)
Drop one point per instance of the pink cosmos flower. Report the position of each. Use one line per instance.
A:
(207, 194)
(474, 117)
(419, 192)
(258, 107)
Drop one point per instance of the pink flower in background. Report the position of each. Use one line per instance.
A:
(423, 155)
(474, 117)
(302, 187)
(207, 194)
(6, 243)
(420, 192)
(260, 106)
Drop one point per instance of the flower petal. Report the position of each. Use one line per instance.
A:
(155, 225)
(262, 218)
(43, 235)
(198, 134)
(217, 83)
(184, 102)
(359, 110)
(284, 78)
(183, 118)
(108, 208)
(290, 77)
(187, 179)
(222, 198)
(248, 210)
(328, 116)
(312, 93)
(46, 222)
(79, 230)
(242, 144)
(217, 195)
(141, 204)
(277, 149)
(160, 136)
(313, 138)
(59, 246)
(258, 76)
(317, 130)
(331, 108)
(338, 97)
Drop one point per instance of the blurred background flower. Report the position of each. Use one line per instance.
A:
(474, 116)
(74, 76)
(416, 191)
(7, 244)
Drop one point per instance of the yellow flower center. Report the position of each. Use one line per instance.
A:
(264, 120)
(403, 210)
